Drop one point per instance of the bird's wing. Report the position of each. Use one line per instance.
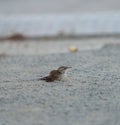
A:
(55, 73)
(52, 72)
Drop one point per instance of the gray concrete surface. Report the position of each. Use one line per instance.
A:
(91, 95)
(43, 47)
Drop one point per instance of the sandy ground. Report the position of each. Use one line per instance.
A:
(90, 95)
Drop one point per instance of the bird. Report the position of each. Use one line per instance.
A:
(57, 74)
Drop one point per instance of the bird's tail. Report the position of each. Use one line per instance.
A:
(44, 78)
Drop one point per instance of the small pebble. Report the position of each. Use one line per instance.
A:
(73, 49)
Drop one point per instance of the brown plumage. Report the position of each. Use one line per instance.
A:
(55, 74)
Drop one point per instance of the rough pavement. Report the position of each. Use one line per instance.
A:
(91, 95)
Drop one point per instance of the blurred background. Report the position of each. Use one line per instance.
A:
(57, 6)
(64, 23)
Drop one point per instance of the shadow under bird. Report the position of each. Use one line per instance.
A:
(56, 74)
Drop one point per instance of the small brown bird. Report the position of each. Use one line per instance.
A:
(55, 74)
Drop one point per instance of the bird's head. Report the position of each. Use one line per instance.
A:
(62, 69)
